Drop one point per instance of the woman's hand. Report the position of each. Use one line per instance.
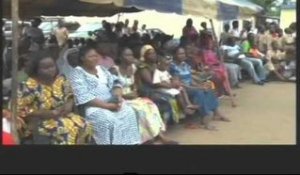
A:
(57, 112)
(206, 68)
(205, 86)
(114, 106)
(8, 115)
(131, 96)
(175, 84)
(66, 108)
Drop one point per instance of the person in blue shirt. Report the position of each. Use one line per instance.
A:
(200, 94)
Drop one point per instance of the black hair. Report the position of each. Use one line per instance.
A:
(288, 31)
(164, 57)
(261, 29)
(83, 51)
(108, 27)
(230, 40)
(101, 48)
(189, 21)
(250, 36)
(119, 25)
(82, 41)
(91, 43)
(226, 27)
(293, 26)
(70, 43)
(235, 23)
(36, 22)
(73, 58)
(120, 52)
(53, 39)
(203, 24)
(35, 59)
(23, 59)
(176, 49)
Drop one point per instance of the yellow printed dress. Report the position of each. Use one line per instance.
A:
(149, 118)
(66, 130)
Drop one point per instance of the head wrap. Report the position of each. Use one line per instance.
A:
(144, 49)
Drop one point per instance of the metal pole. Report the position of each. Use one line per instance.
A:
(15, 57)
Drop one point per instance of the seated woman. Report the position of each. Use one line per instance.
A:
(200, 94)
(146, 88)
(194, 59)
(150, 122)
(114, 123)
(172, 85)
(46, 104)
(199, 72)
(210, 59)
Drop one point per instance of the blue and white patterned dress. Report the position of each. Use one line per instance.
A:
(206, 100)
(116, 128)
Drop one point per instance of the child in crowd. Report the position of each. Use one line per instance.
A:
(254, 52)
(172, 85)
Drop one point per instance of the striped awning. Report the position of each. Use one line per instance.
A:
(217, 9)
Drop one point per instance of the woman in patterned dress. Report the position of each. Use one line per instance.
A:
(114, 123)
(168, 105)
(45, 102)
(212, 62)
(150, 121)
(200, 94)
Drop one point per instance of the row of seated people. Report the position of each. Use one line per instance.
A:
(120, 105)
(116, 107)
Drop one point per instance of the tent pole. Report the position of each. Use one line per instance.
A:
(215, 37)
(15, 56)
(119, 15)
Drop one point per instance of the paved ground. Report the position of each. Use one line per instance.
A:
(265, 115)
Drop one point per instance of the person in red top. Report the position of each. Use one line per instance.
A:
(7, 137)
(212, 62)
(189, 31)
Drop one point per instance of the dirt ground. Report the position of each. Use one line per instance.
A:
(265, 115)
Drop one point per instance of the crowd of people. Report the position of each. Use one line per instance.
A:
(107, 91)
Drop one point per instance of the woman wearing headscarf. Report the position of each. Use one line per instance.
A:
(146, 87)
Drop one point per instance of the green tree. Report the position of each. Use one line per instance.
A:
(271, 7)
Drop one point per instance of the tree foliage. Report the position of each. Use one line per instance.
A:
(268, 5)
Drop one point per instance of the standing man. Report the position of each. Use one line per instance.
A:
(36, 35)
(61, 34)
(135, 27)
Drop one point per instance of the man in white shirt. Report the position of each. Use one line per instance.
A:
(234, 54)
(143, 30)
(235, 29)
